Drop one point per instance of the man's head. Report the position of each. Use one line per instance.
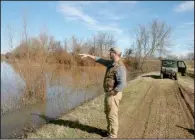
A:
(115, 53)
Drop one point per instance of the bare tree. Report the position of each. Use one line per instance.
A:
(142, 43)
(155, 37)
(44, 37)
(25, 33)
(128, 53)
(10, 42)
(105, 41)
(77, 45)
(101, 43)
(65, 45)
(43, 46)
(51, 44)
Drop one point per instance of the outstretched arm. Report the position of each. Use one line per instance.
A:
(88, 55)
(97, 59)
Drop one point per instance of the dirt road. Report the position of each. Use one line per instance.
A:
(150, 108)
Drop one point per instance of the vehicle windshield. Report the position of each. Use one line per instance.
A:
(169, 63)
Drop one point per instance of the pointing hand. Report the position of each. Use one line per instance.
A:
(83, 55)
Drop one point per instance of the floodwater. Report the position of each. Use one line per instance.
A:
(59, 89)
(63, 91)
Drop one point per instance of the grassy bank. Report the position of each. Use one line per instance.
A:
(141, 105)
(86, 121)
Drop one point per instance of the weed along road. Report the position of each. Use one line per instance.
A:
(150, 108)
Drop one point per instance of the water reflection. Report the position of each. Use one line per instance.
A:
(12, 85)
(48, 91)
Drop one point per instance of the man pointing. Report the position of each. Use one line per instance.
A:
(114, 82)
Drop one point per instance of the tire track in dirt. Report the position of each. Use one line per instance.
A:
(180, 113)
(158, 114)
(168, 93)
(177, 114)
(188, 98)
(146, 124)
(134, 118)
(145, 112)
(169, 127)
(184, 113)
(124, 108)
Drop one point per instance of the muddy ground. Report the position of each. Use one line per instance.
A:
(150, 108)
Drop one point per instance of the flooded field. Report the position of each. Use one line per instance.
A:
(30, 90)
(27, 91)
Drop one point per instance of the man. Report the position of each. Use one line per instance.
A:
(114, 82)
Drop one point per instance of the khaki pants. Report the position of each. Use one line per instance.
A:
(111, 105)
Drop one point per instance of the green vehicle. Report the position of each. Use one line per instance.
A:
(171, 68)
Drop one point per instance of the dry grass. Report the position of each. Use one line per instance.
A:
(190, 64)
(190, 68)
(34, 76)
(76, 123)
(152, 65)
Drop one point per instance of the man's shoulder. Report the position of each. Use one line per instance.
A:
(121, 67)
(120, 64)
